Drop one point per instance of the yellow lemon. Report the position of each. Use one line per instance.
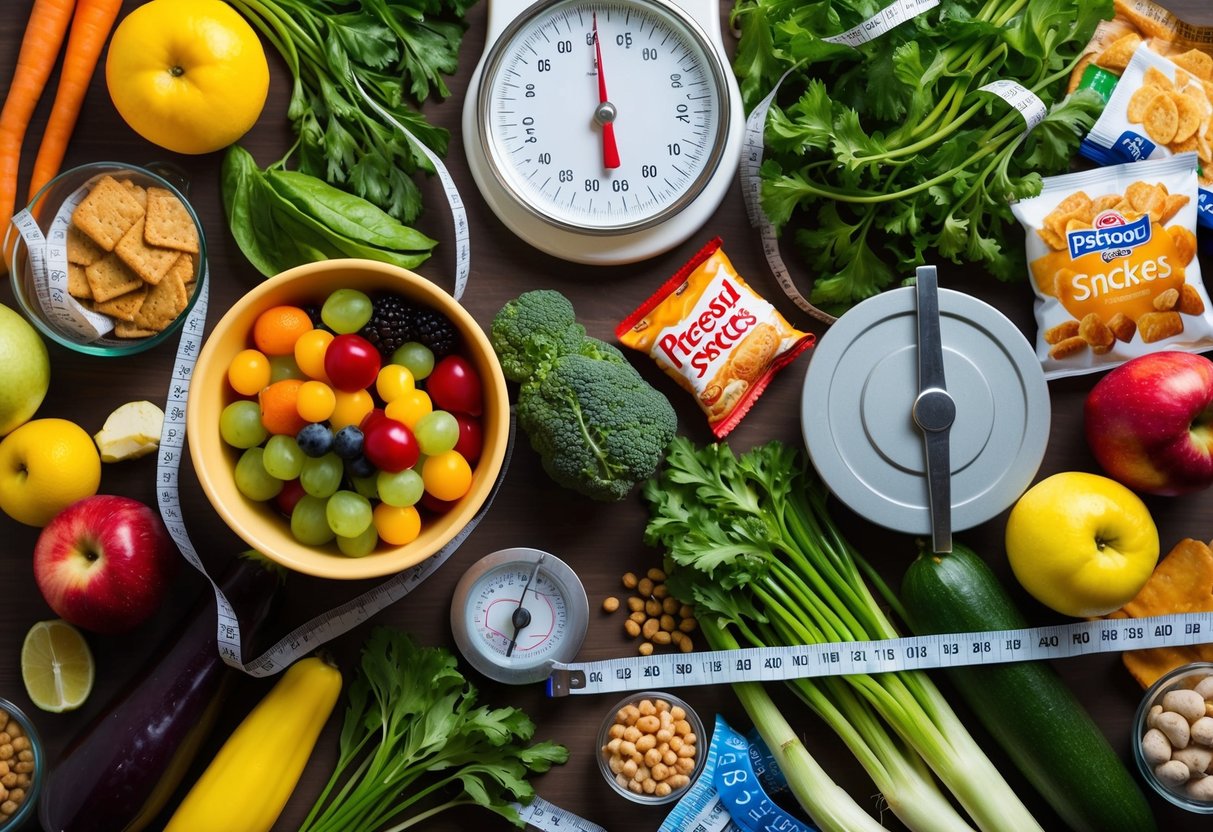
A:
(1081, 544)
(45, 466)
(188, 75)
(56, 666)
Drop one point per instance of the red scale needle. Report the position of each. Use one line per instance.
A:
(605, 116)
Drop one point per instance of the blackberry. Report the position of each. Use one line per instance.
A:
(394, 322)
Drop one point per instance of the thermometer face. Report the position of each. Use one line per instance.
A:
(491, 610)
(603, 116)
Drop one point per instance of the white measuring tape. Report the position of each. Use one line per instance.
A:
(548, 817)
(772, 664)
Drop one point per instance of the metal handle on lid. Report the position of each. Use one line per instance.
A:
(934, 410)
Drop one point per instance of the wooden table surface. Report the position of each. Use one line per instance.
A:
(600, 541)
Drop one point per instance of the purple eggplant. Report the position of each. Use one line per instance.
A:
(118, 774)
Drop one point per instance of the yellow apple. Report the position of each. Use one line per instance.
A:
(1081, 544)
(45, 466)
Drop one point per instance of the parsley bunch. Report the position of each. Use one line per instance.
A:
(415, 743)
(890, 150)
(393, 50)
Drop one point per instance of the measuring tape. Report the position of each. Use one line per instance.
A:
(548, 817)
(772, 664)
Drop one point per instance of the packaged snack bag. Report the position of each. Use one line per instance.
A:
(714, 335)
(1111, 256)
(1156, 73)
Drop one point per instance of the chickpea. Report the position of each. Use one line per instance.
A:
(630, 769)
(687, 750)
(664, 735)
(16, 795)
(646, 648)
(660, 771)
(675, 743)
(652, 607)
(23, 768)
(649, 785)
(627, 748)
(615, 732)
(676, 637)
(684, 765)
(653, 758)
(610, 603)
(686, 645)
(615, 764)
(629, 580)
(631, 628)
(655, 575)
(646, 707)
(661, 592)
(677, 781)
(645, 587)
(634, 786)
(686, 611)
(647, 630)
(663, 789)
(8, 807)
(646, 743)
(633, 714)
(661, 637)
(612, 747)
(635, 604)
(669, 606)
(25, 756)
(648, 724)
(7, 752)
(630, 734)
(670, 758)
(9, 780)
(688, 625)
(642, 773)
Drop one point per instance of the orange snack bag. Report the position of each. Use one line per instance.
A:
(714, 335)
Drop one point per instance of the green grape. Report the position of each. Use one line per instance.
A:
(253, 480)
(283, 458)
(348, 513)
(360, 546)
(346, 310)
(240, 424)
(308, 522)
(284, 367)
(366, 486)
(436, 432)
(321, 476)
(416, 357)
(403, 488)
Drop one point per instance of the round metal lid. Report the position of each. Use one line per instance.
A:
(860, 389)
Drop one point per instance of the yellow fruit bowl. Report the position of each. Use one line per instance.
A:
(260, 524)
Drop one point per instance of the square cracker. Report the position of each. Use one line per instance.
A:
(169, 223)
(124, 307)
(183, 270)
(109, 277)
(149, 262)
(126, 329)
(77, 283)
(164, 302)
(81, 249)
(107, 213)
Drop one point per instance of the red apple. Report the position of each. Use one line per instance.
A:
(1149, 423)
(104, 563)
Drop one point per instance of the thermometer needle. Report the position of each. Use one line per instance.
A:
(522, 616)
(605, 113)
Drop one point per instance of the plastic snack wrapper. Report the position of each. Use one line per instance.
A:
(714, 335)
(1156, 73)
(1112, 257)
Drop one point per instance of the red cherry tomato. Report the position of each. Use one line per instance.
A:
(431, 503)
(390, 445)
(351, 362)
(292, 491)
(372, 416)
(471, 438)
(454, 385)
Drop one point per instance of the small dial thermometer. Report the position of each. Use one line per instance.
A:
(603, 131)
(516, 611)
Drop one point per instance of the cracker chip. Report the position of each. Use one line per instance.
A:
(124, 307)
(164, 302)
(1141, 100)
(1185, 243)
(1059, 333)
(139, 191)
(1191, 113)
(1162, 119)
(77, 283)
(109, 277)
(126, 329)
(1190, 302)
(1123, 327)
(149, 262)
(1171, 207)
(1052, 238)
(1157, 326)
(107, 213)
(1167, 299)
(81, 249)
(1095, 332)
(1067, 347)
(1195, 61)
(1146, 198)
(1103, 203)
(1118, 53)
(169, 223)
(1155, 77)
(1076, 203)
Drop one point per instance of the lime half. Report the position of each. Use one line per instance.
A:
(56, 666)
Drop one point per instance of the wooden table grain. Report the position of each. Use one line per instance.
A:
(600, 541)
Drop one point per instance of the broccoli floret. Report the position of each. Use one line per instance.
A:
(532, 331)
(598, 426)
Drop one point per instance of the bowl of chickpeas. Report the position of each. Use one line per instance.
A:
(651, 747)
(20, 767)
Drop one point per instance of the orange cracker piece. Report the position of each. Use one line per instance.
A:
(1053, 239)
(1155, 76)
(139, 191)
(1140, 101)
(1195, 61)
(169, 223)
(149, 262)
(1185, 243)
(1076, 203)
(1182, 582)
(1171, 206)
(164, 302)
(126, 329)
(1119, 52)
(109, 277)
(1162, 119)
(77, 283)
(1103, 203)
(107, 213)
(1146, 198)
(1191, 113)
(81, 249)
(124, 307)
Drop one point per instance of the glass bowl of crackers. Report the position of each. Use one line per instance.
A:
(108, 258)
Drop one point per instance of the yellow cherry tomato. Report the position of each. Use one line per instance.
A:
(397, 525)
(393, 382)
(409, 407)
(350, 408)
(309, 352)
(249, 372)
(447, 476)
(316, 401)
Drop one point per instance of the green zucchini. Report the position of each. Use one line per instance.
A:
(1025, 706)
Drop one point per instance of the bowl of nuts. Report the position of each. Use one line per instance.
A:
(650, 747)
(1173, 743)
(20, 767)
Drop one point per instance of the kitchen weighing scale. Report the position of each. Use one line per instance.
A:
(516, 611)
(603, 131)
(866, 412)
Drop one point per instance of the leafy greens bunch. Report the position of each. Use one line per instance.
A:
(414, 741)
(346, 58)
(749, 542)
(890, 149)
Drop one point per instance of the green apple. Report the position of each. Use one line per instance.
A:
(25, 370)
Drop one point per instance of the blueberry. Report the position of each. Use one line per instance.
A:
(315, 439)
(360, 466)
(347, 442)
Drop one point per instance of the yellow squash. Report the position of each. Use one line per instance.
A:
(248, 783)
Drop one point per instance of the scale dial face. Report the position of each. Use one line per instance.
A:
(487, 603)
(542, 114)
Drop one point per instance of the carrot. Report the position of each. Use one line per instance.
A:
(39, 50)
(91, 26)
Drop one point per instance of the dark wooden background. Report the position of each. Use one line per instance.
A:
(600, 541)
